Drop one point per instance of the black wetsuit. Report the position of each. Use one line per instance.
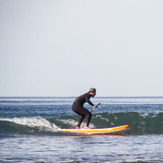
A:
(78, 108)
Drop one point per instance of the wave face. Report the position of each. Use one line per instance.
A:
(141, 123)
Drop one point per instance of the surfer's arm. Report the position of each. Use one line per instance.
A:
(88, 101)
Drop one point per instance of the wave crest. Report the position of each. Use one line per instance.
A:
(141, 123)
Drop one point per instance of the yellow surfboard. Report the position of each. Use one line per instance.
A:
(113, 130)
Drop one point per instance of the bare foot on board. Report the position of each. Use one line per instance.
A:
(87, 127)
(77, 127)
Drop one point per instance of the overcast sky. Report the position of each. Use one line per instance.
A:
(64, 47)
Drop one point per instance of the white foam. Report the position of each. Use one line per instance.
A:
(69, 121)
(99, 116)
(32, 122)
(74, 123)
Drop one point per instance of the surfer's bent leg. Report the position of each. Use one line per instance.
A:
(86, 114)
(80, 120)
(88, 118)
(83, 113)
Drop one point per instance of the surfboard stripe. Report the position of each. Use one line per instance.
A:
(119, 129)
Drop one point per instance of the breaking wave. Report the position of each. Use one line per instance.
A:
(141, 123)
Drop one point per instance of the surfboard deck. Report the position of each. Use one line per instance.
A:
(113, 130)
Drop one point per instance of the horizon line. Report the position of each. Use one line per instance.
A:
(76, 96)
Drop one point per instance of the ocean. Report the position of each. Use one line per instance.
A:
(28, 130)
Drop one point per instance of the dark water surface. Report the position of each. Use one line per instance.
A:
(28, 130)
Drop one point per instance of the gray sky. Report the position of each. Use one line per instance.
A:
(64, 47)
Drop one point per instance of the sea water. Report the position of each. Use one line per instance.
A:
(28, 130)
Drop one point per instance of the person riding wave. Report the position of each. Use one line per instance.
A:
(78, 108)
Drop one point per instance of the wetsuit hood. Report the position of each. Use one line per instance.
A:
(92, 90)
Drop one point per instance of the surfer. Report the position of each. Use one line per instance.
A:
(78, 108)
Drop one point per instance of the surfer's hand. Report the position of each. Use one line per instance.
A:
(94, 107)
